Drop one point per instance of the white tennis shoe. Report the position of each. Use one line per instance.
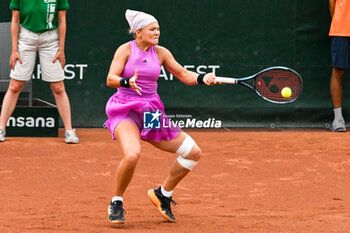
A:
(2, 135)
(71, 137)
(338, 125)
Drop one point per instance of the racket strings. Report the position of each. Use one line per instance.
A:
(270, 83)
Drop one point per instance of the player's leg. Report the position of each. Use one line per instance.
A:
(179, 169)
(128, 135)
(189, 155)
(340, 61)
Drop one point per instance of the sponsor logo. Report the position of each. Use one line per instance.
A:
(31, 122)
(151, 120)
(50, 1)
(195, 123)
(200, 69)
(71, 71)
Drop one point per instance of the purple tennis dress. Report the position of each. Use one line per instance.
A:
(145, 111)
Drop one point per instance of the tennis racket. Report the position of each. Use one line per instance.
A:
(278, 84)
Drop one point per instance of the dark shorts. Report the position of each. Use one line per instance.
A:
(340, 47)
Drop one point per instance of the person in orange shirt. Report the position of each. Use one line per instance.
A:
(340, 48)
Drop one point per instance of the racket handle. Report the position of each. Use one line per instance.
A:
(227, 80)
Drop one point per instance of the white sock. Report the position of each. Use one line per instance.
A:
(117, 198)
(337, 114)
(166, 193)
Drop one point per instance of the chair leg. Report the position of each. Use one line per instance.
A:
(30, 99)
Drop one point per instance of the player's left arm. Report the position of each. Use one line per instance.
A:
(186, 76)
(62, 28)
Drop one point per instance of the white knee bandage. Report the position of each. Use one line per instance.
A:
(183, 151)
(186, 163)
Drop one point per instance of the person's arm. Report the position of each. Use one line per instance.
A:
(62, 28)
(120, 58)
(15, 24)
(332, 7)
(185, 76)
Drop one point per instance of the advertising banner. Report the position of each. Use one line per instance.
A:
(229, 38)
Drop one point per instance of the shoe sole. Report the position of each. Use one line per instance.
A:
(156, 202)
(115, 221)
(338, 130)
(71, 142)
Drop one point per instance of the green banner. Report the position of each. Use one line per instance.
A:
(230, 38)
(39, 120)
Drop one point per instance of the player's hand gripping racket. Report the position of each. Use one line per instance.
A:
(278, 84)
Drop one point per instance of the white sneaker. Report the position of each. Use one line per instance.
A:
(71, 137)
(2, 135)
(338, 125)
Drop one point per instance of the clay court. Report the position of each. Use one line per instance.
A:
(246, 181)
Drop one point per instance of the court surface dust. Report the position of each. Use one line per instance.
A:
(246, 181)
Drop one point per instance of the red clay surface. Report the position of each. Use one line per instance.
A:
(246, 181)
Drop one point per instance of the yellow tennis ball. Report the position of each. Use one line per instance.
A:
(286, 92)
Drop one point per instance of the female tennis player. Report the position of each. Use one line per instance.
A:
(134, 70)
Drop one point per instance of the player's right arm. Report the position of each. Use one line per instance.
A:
(15, 24)
(120, 58)
(331, 7)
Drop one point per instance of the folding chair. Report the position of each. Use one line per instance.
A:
(5, 53)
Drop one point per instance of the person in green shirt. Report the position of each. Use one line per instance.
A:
(38, 26)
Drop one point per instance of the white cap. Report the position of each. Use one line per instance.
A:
(138, 19)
